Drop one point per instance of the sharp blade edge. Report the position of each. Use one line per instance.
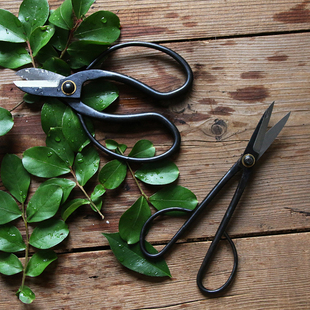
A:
(272, 134)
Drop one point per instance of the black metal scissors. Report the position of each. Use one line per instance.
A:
(258, 144)
(68, 89)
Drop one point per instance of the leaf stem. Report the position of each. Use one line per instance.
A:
(31, 54)
(77, 24)
(84, 192)
(15, 107)
(134, 177)
(24, 216)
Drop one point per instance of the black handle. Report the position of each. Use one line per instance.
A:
(84, 110)
(141, 86)
(219, 234)
(194, 214)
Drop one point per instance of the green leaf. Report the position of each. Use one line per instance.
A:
(82, 53)
(114, 146)
(81, 7)
(111, 144)
(32, 14)
(132, 257)
(66, 185)
(39, 261)
(15, 177)
(52, 114)
(8, 208)
(13, 55)
(143, 149)
(11, 239)
(40, 37)
(73, 131)
(174, 196)
(71, 206)
(158, 173)
(99, 95)
(26, 295)
(56, 140)
(49, 233)
(44, 203)
(6, 121)
(102, 27)
(10, 264)
(57, 65)
(46, 53)
(60, 38)
(11, 29)
(43, 162)
(86, 164)
(62, 16)
(98, 192)
(28, 98)
(132, 221)
(113, 174)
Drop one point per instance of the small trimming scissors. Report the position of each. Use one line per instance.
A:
(258, 144)
(68, 89)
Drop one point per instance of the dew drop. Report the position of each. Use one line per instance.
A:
(49, 154)
(103, 20)
(57, 139)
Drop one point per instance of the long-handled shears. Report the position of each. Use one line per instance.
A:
(68, 89)
(257, 146)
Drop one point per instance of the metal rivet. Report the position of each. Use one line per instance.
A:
(68, 87)
(248, 160)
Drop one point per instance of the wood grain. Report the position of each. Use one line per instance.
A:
(271, 275)
(244, 55)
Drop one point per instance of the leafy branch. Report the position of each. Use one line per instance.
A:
(61, 41)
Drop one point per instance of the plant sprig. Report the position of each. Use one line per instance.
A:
(61, 41)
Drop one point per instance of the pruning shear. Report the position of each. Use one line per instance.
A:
(257, 146)
(68, 89)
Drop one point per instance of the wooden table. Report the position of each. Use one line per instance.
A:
(244, 54)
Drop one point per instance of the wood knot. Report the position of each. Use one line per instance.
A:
(219, 127)
(215, 128)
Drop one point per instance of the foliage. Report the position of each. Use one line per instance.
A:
(61, 41)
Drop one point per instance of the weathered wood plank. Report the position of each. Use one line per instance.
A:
(234, 83)
(181, 20)
(271, 275)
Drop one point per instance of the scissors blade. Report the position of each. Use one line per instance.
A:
(261, 139)
(39, 82)
(38, 88)
(272, 133)
(262, 129)
(39, 74)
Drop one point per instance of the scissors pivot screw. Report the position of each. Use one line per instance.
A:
(248, 160)
(68, 87)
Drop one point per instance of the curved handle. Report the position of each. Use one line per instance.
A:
(202, 270)
(141, 86)
(84, 110)
(220, 232)
(194, 213)
(173, 240)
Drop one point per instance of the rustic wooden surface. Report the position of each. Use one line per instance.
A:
(244, 54)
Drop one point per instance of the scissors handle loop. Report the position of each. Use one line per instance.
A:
(219, 234)
(205, 264)
(84, 110)
(141, 86)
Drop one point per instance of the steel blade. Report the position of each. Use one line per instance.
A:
(271, 135)
(262, 129)
(38, 88)
(39, 74)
